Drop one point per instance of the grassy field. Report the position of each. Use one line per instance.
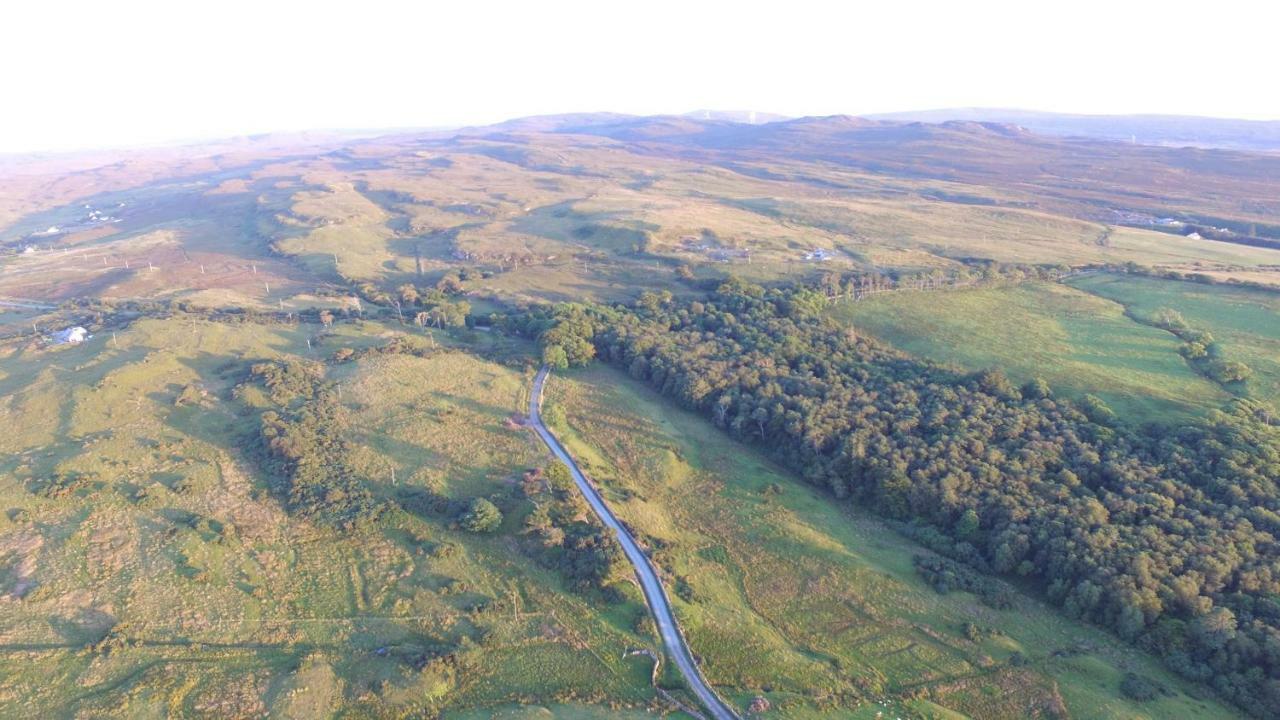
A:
(819, 609)
(1078, 342)
(1246, 323)
(112, 489)
(145, 566)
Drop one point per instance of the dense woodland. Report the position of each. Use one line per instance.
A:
(1166, 535)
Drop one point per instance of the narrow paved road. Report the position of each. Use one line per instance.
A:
(654, 593)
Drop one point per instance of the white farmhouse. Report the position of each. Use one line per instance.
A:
(71, 336)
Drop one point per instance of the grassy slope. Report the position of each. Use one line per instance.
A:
(551, 712)
(174, 543)
(1077, 342)
(816, 607)
(1246, 323)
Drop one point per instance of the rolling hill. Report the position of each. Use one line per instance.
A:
(1169, 130)
(308, 359)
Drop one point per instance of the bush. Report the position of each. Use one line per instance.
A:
(945, 575)
(190, 395)
(1227, 372)
(481, 516)
(1139, 688)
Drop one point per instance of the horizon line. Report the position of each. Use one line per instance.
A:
(372, 132)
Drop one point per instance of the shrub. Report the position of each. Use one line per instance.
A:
(301, 445)
(481, 516)
(1139, 688)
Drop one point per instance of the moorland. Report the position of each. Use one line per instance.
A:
(926, 420)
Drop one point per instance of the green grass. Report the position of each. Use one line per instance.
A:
(552, 712)
(1077, 342)
(174, 544)
(817, 607)
(1245, 323)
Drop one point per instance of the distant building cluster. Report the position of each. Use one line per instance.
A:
(94, 218)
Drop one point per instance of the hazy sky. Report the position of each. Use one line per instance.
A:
(122, 72)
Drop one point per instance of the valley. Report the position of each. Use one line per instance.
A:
(830, 375)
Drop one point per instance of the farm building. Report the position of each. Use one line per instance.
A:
(71, 335)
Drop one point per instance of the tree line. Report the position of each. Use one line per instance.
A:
(1166, 535)
(1199, 348)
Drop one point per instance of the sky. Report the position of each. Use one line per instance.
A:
(88, 74)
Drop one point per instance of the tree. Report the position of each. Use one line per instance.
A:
(408, 294)
(578, 351)
(554, 357)
(450, 284)
(1215, 628)
(1231, 372)
(1037, 389)
(456, 313)
(1096, 410)
(967, 525)
(481, 516)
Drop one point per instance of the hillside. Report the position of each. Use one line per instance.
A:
(287, 472)
(606, 205)
(1169, 130)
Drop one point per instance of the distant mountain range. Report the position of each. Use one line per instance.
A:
(1168, 130)
(1158, 130)
(1097, 178)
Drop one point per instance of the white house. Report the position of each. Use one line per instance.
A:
(72, 335)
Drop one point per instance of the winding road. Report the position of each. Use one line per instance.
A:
(654, 593)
